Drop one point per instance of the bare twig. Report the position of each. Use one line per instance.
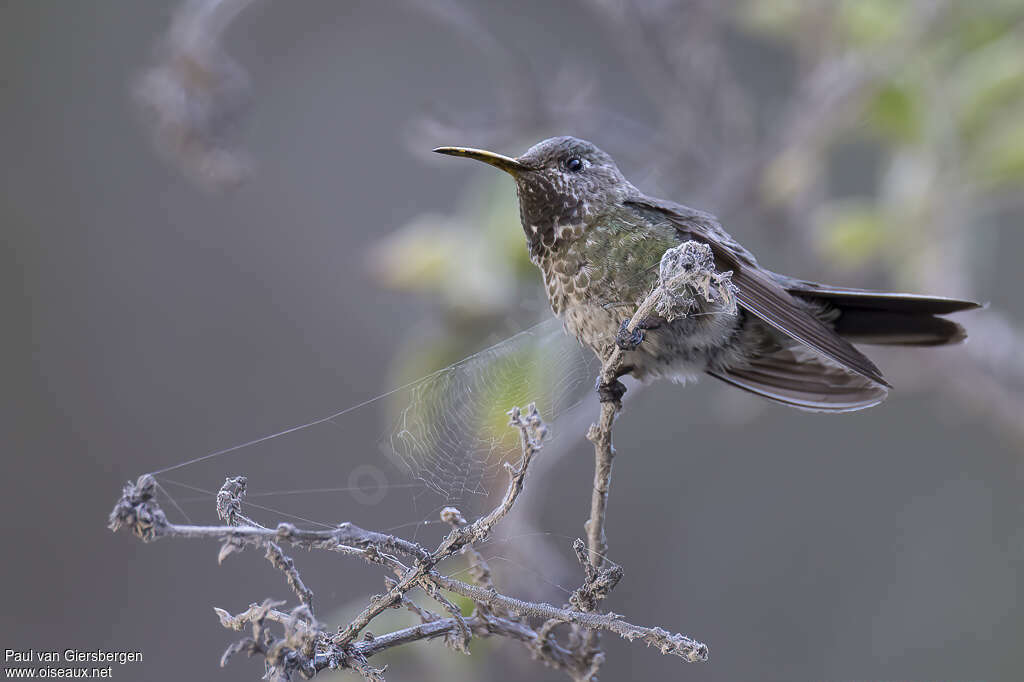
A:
(194, 94)
(600, 434)
(479, 569)
(229, 509)
(306, 647)
(599, 582)
(532, 431)
(667, 642)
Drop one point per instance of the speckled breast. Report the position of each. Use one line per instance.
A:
(596, 276)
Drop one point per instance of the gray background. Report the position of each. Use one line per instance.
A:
(146, 322)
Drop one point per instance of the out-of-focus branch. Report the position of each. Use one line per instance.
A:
(194, 94)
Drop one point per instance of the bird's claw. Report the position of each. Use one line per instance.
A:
(612, 392)
(626, 339)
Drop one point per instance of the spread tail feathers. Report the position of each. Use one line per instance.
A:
(876, 317)
(800, 378)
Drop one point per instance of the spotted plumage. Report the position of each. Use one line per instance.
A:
(598, 242)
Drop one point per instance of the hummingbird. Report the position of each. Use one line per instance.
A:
(598, 241)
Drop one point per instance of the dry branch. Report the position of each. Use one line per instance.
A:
(306, 647)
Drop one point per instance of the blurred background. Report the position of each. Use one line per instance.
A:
(222, 219)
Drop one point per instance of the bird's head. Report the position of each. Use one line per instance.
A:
(562, 183)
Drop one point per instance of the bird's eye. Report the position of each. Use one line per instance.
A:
(574, 164)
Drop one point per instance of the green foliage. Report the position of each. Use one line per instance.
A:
(986, 81)
(774, 19)
(895, 112)
(852, 232)
(999, 161)
(947, 103)
(472, 261)
(866, 23)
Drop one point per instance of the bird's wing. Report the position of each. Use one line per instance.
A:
(757, 290)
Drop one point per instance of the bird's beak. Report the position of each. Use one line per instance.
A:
(505, 163)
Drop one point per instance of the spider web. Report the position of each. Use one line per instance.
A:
(439, 440)
(453, 435)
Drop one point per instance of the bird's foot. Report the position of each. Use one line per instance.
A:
(611, 392)
(626, 339)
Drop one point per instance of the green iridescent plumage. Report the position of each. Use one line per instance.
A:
(598, 242)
